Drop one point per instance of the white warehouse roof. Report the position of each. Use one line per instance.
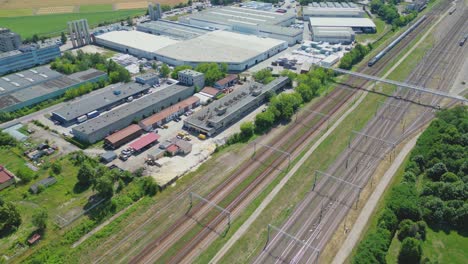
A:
(220, 46)
(137, 40)
(360, 22)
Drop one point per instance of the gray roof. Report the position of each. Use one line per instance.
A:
(148, 76)
(231, 15)
(286, 31)
(173, 29)
(341, 22)
(332, 31)
(24, 79)
(109, 155)
(232, 102)
(129, 109)
(109, 96)
(190, 72)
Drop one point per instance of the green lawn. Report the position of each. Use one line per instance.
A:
(95, 8)
(27, 26)
(381, 27)
(15, 12)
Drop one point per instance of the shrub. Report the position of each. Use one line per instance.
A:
(410, 251)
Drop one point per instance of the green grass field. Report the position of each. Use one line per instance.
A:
(15, 12)
(95, 8)
(27, 26)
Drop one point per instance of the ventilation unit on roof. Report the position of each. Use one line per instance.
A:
(1, 89)
(43, 75)
(29, 79)
(20, 75)
(15, 84)
(6, 79)
(33, 71)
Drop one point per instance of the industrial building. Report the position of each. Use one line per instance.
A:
(98, 128)
(154, 11)
(224, 112)
(238, 51)
(172, 29)
(226, 82)
(333, 35)
(28, 56)
(257, 5)
(33, 86)
(358, 24)
(169, 113)
(123, 136)
(149, 78)
(104, 101)
(9, 40)
(191, 78)
(136, 43)
(79, 33)
(248, 21)
(337, 10)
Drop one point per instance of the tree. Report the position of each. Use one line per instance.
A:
(407, 228)
(164, 71)
(436, 171)
(177, 69)
(129, 21)
(264, 121)
(35, 38)
(410, 251)
(39, 219)
(149, 186)
(247, 130)
(449, 177)
(63, 38)
(56, 168)
(7, 140)
(10, 218)
(305, 91)
(104, 187)
(25, 174)
(263, 76)
(213, 72)
(85, 175)
(388, 220)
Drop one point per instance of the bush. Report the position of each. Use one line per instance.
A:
(247, 130)
(388, 220)
(25, 174)
(410, 251)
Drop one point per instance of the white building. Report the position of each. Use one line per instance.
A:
(333, 34)
(191, 77)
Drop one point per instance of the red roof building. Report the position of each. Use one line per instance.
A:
(169, 113)
(172, 149)
(6, 178)
(123, 136)
(210, 91)
(34, 239)
(144, 141)
(226, 82)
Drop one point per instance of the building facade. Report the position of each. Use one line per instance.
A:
(333, 35)
(79, 32)
(192, 78)
(28, 56)
(9, 40)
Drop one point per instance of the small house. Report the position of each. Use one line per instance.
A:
(6, 178)
(226, 82)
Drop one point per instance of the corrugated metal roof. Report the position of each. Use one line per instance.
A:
(144, 141)
(119, 135)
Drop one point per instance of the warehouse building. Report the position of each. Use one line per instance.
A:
(222, 113)
(123, 136)
(238, 51)
(333, 35)
(98, 128)
(358, 24)
(191, 78)
(9, 40)
(28, 56)
(257, 5)
(172, 29)
(169, 113)
(33, 86)
(104, 101)
(249, 21)
(136, 43)
(338, 10)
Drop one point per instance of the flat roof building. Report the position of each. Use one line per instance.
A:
(111, 96)
(356, 23)
(335, 11)
(333, 34)
(137, 43)
(239, 51)
(150, 78)
(9, 40)
(191, 77)
(98, 128)
(222, 113)
(28, 56)
(172, 29)
(44, 84)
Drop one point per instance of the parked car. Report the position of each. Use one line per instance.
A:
(123, 157)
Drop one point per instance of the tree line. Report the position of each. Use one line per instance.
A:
(354, 56)
(439, 164)
(389, 12)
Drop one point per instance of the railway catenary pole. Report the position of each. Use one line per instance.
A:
(272, 148)
(223, 210)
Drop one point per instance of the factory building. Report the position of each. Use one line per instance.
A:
(257, 5)
(104, 101)
(28, 56)
(33, 86)
(333, 35)
(238, 51)
(149, 78)
(136, 43)
(247, 21)
(338, 10)
(79, 33)
(191, 78)
(9, 40)
(358, 24)
(172, 29)
(222, 113)
(100, 127)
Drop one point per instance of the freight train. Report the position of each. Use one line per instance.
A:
(395, 42)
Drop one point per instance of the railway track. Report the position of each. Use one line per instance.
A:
(236, 203)
(318, 225)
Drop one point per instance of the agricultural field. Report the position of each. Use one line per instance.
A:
(13, 4)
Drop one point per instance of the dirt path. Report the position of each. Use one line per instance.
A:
(361, 222)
